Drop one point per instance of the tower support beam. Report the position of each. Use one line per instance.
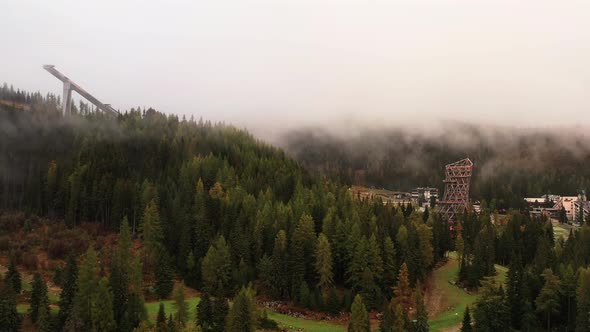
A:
(69, 85)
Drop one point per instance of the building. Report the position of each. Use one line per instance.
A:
(553, 205)
(424, 195)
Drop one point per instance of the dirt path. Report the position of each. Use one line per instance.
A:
(434, 296)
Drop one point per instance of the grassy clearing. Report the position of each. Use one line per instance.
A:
(300, 324)
(153, 307)
(456, 299)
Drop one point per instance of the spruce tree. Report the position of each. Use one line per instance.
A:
(44, 320)
(121, 265)
(151, 231)
(389, 264)
(548, 300)
(180, 305)
(323, 266)
(359, 316)
(402, 290)
(102, 308)
(583, 301)
(39, 297)
(219, 313)
(421, 318)
(9, 317)
(386, 324)
(216, 268)
(514, 287)
(13, 277)
(161, 319)
(66, 298)
(242, 316)
(399, 317)
(164, 275)
(466, 325)
(171, 324)
(205, 313)
(87, 286)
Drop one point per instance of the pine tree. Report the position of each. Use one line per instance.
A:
(13, 277)
(161, 319)
(87, 286)
(9, 317)
(39, 297)
(219, 313)
(102, 308)
(242, 316)
(403, 290)
(171, 324)
(421, 317)
(44, 321)
(548, 300)
(583, 301)
(359, 317)
(152, 234)
(205, 313)
(323, 266)
(66, 298)
(514, 287)
(399, 317)
(216, 268)
(389, 263)
(164, 275)
(386, 324)
(491, 312)
(303, 247)
(466, 325)
(568, 289)
(120, 274)
(180, 305)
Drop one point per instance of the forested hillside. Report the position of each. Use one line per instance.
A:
(210, 204)
(510, 162)
(104, 221)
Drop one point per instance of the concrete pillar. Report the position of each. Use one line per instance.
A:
(67, 99)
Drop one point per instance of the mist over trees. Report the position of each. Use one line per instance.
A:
(510, 163)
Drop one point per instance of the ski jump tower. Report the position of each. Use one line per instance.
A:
(69, 85)
(456, 197)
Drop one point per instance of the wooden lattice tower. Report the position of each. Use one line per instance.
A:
(456, 197)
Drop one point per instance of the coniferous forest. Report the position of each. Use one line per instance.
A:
(117, 212)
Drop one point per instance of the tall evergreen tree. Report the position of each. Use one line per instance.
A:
(323, 266)
(216, 268)
(87, 286)
(466, 325)
(164, 274)
(180, 305)
(9, 317)
(242, 316)
(514, 287)
(161, 319)
(121, 265)
(583, 301)
(403, 290)
(39, 297)
(66, 298)
(548, 300)
(389, 263)
(102, 308)
(491, 313)
(359, 317)
(152, 233)
(421, 317)
(13, 277)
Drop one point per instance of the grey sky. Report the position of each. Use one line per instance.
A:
(289, 63)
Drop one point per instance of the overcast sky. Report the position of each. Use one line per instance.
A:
(289, 63)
